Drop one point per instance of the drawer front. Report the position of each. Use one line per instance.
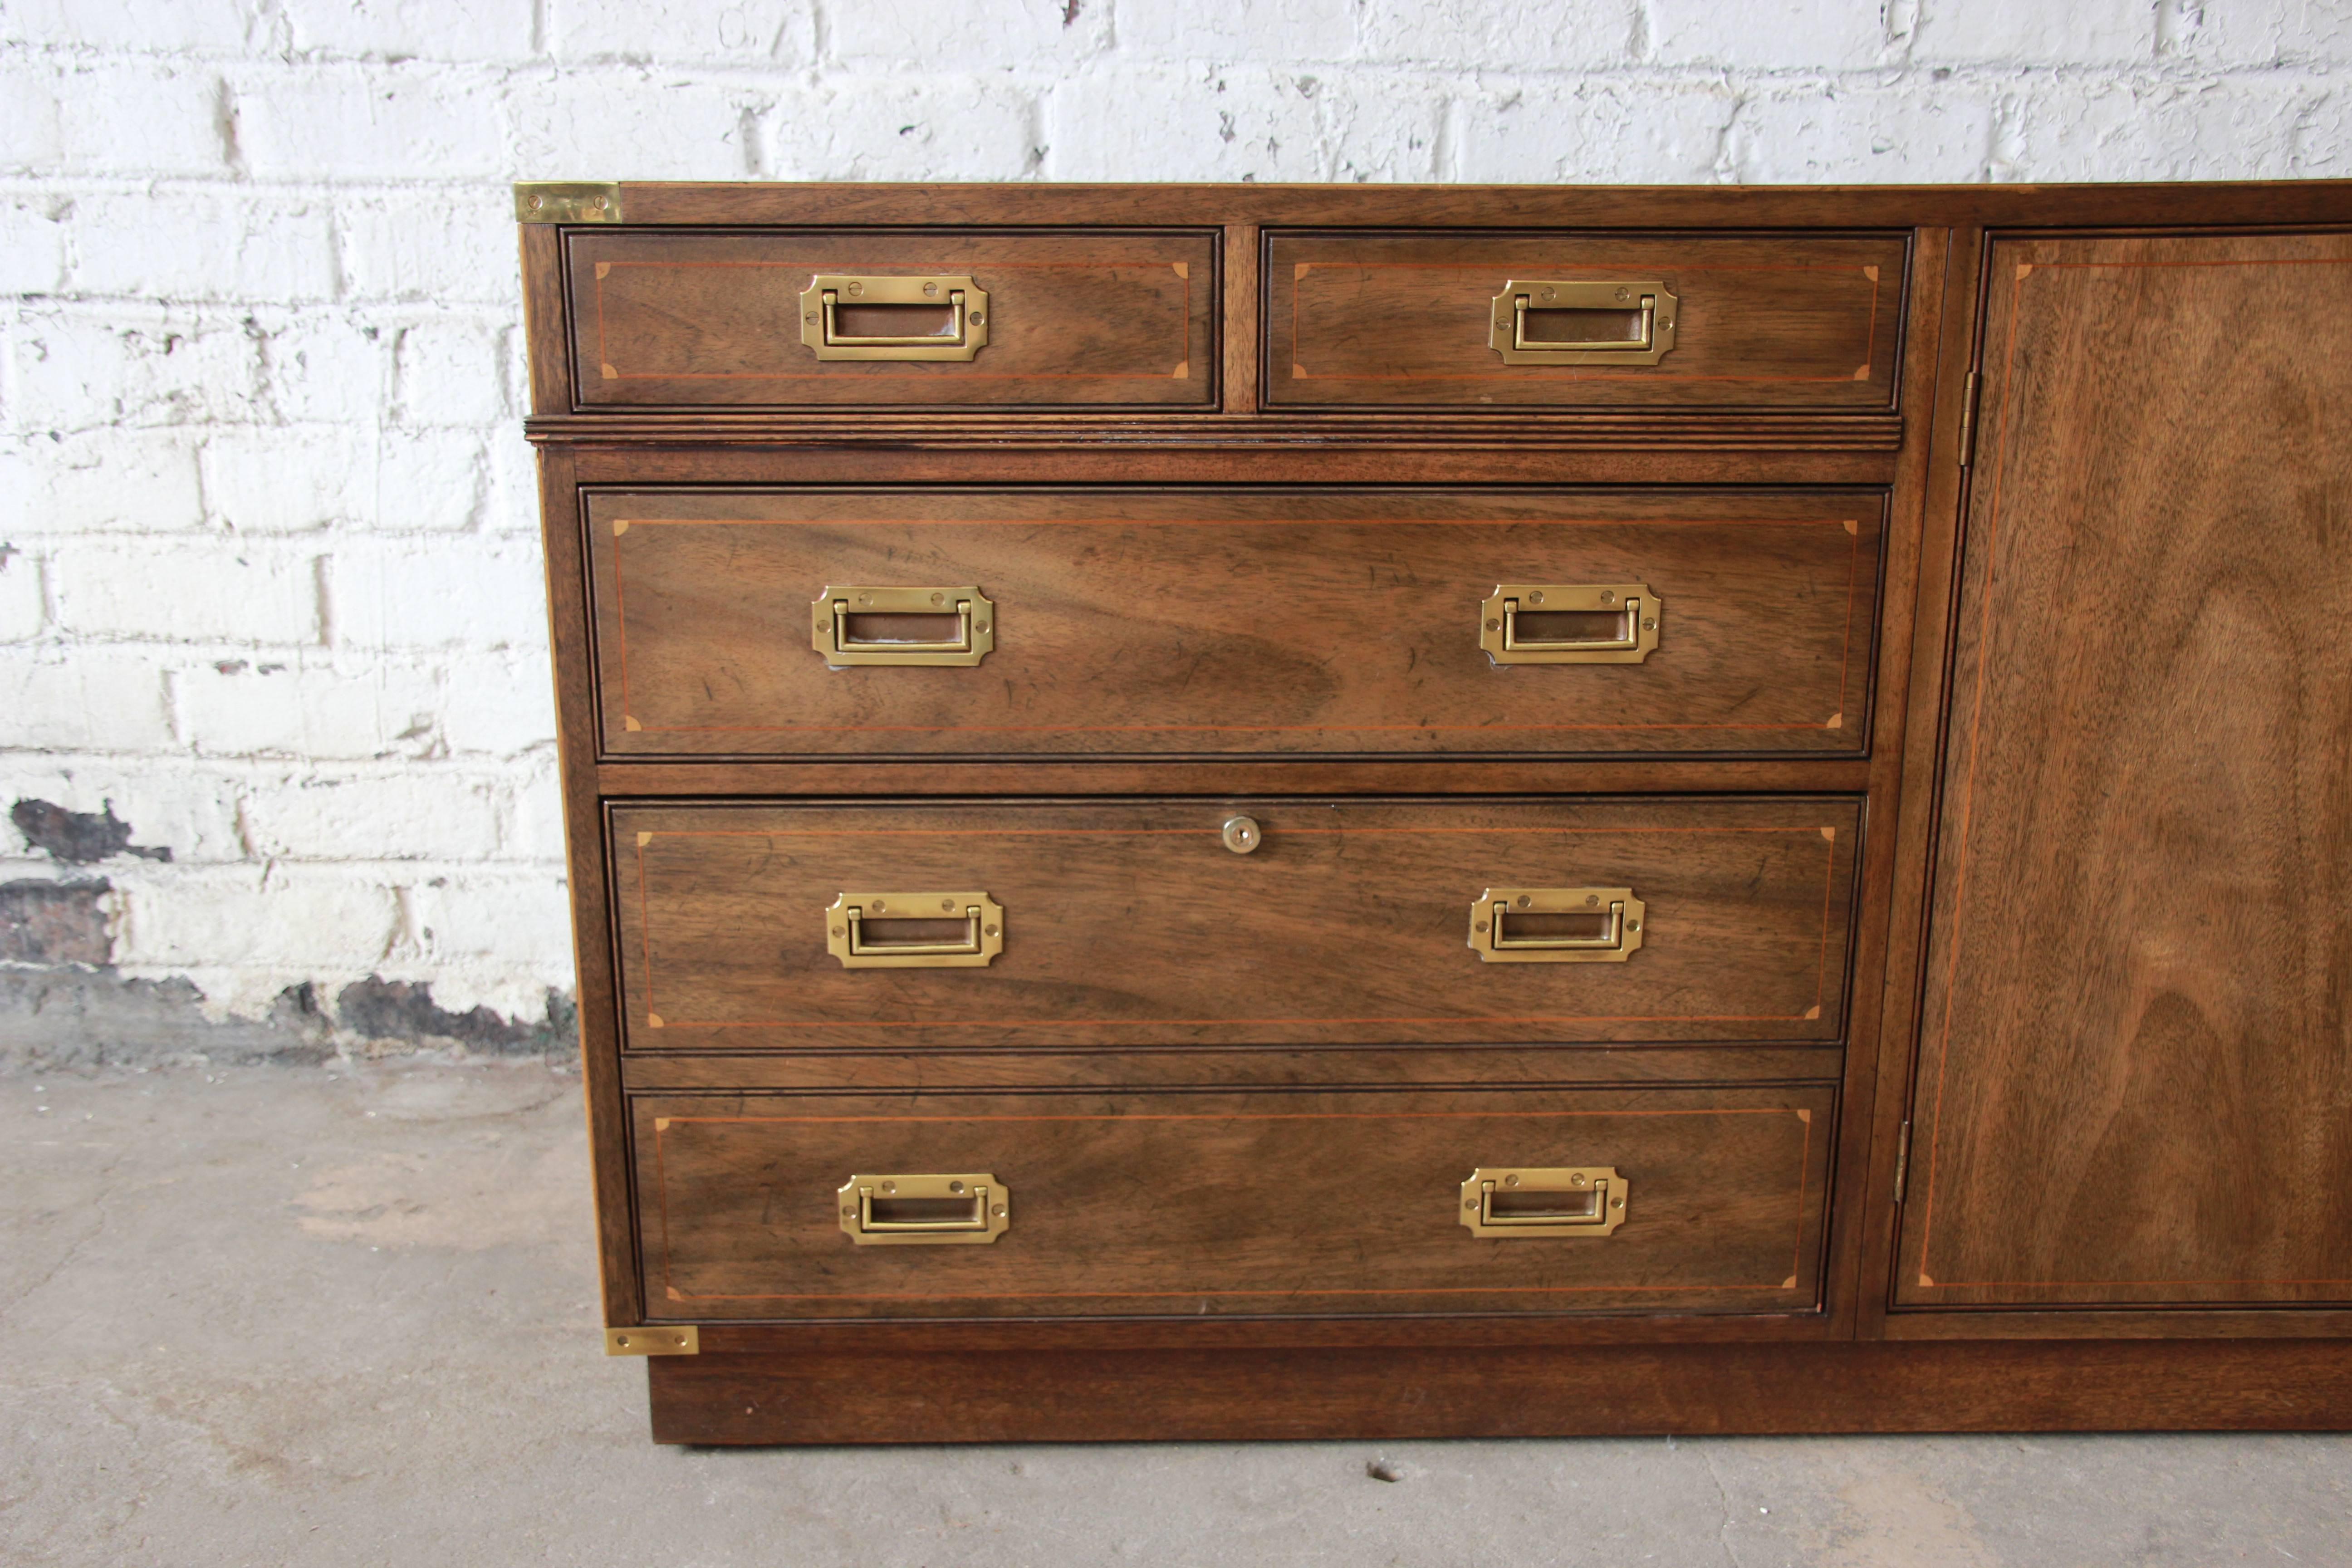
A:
(1434, 319)
(1138, 924)
(1104, 318)
(1263, 1204)
(1263, 623)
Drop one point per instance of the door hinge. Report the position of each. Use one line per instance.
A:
(1968, 420)
(567, 201)
(1901, 1162)
(670, 1339)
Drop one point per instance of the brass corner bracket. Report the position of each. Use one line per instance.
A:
(673, 1339)
(567, 201)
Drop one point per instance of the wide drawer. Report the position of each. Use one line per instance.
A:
(1584, 319)
(1261, 622)
(783, 317)
(1138, 924)
(1696, 1200)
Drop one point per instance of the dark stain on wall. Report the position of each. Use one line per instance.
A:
(78, 837)
(382, 1009)
(54, 922)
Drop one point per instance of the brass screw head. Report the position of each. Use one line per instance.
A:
(1649, 623)
(847, 1211)
(948, 904)
(810, 318)
(1510, 1181)
(1616, 1203)
(1553, 293)
(999, 1210)
(990, 931)
(857, 288)
(1590, 900)
(841, 931)
(1633, 925)
(1536, 598)
(1576, 1180)
(1524, 900)
(977, 318)
(1621, 294)
(879, 906)
(536, 203)
(889, 1186)
(979, 625)
(955, 1186)
(1242, 835)
(1482, 925)
(930, 289)
(938, 598)
(1608, 597)
(1493, 626)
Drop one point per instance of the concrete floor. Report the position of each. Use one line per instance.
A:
(297, 1315)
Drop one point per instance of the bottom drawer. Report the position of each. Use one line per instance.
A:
(1267, 1203)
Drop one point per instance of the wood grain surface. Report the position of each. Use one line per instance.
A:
(1235, 1067)
(1287, 622)
(1597, 208)
(1764, 320)
(1265, 1203)
(899, 1394)
(1130, 923)
(1106, 317)
(2136, 1074)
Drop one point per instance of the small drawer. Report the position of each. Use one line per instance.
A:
(1583, 320)
(1267, 1204)
(808, 318)
(1263, 623)
(1269, 922)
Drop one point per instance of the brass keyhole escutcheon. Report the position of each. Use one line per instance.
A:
(1242, 835)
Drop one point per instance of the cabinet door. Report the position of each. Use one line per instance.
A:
(2135, 1069)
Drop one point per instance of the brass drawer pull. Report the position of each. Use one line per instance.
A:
(1556, 925)
(1526, 1203)
(965, 1209)
(1570, 622)
(844, 317)
(914, 930)
(1550, 320)
(903, 626)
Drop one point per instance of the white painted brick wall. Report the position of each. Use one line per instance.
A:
(269, 578)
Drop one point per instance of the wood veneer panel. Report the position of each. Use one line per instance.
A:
(1748, 207)
(1130, 923)
(1765, 320)
(2136, 1076)
(1236, 622)
(896, 1396)
(1140, 1067)
(1226, 778)
(1273, 1203)
(1104, 317)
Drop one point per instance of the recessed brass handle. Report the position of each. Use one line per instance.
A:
(914, 930)
(963, 1208)
(951, 626)
(1524, 1202)
(1570, 622)
(875, 318)
(1557, 925)
(1552, 320)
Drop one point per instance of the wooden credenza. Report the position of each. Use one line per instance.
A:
(1208, 812)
